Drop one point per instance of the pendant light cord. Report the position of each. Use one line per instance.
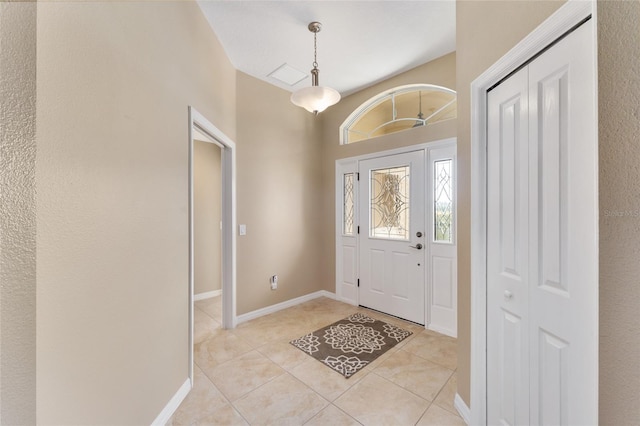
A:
(315, 50)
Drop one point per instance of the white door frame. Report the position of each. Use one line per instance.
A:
(350, 164)
(228, 162)
(563, 20)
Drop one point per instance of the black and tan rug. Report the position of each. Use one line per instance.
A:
(350, 344)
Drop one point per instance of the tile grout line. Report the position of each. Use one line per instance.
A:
(410, 391)
(233, 403)
(223, 395)
(425, 412)
(433, 402)
(314, 391)
(445, 385)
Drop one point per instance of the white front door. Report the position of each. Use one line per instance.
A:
(542, 280)
(392, 235)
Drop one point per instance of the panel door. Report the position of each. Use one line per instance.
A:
(563, 232)
(392, 242)
(542, 278)
(508, 253)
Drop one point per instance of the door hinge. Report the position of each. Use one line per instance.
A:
(358, 176)
(358, 229)
(358, 282)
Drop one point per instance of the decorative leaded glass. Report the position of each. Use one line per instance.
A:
(389, 215)
(442, 200)
(347, 204)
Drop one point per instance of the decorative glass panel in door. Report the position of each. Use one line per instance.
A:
(389, 215)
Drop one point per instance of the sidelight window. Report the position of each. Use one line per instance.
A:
(348, 186)
(442, 200)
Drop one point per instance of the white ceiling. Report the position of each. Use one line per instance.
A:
(361, 42)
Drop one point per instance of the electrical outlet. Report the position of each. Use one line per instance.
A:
(274, 282)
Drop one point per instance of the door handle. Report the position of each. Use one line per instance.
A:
(417, 246)
(508, 295)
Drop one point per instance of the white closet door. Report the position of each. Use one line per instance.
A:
(542, 277)
(563, 232)
(508, 253)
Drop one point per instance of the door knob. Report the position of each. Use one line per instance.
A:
(417, 246)
(508, 295)
(418, 234)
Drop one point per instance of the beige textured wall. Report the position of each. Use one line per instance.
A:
(280, 188)
(17, 210)
(114, 82)
(619, 152)
(207, 214)
(441, 72)
(485, 31)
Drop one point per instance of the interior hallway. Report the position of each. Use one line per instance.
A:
(252, 375)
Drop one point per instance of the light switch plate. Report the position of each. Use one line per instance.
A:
(242, 229)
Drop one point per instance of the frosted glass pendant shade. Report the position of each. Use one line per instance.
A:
(315, 98)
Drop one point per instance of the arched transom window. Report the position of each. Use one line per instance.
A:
(398, 109)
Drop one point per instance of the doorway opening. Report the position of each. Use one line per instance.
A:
(201, 129)
(207, 213)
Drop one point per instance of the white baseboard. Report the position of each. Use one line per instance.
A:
(442, 330)
(462, 408)
(206, 295)
(173, 404)
(283, 305)
(344, 300)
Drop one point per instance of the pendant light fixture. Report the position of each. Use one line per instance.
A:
(420, 121)
(316, 98)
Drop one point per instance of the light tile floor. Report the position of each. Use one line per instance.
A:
(252, 375)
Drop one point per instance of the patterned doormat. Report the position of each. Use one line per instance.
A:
(350, 344)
